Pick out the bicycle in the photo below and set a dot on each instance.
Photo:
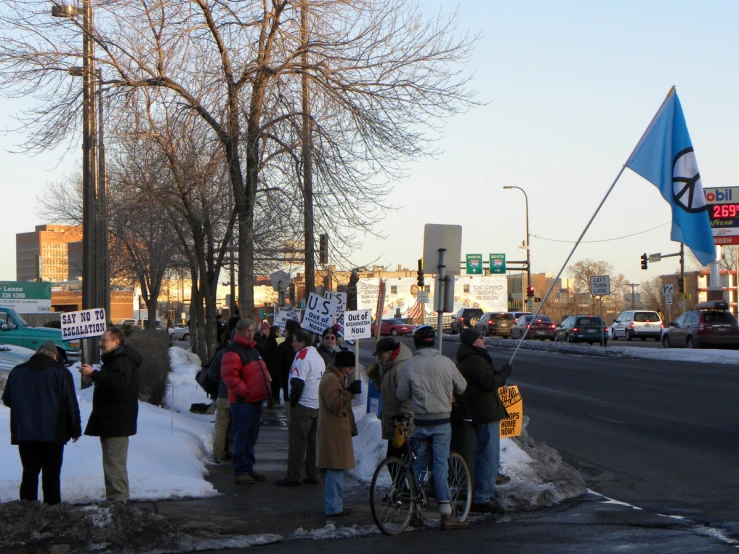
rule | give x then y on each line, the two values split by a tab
395	493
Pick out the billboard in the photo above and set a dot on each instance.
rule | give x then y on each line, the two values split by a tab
26	297
487	292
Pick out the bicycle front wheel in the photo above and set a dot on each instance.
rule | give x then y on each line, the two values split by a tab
391	496
460	486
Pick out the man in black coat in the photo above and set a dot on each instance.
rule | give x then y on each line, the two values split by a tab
482	404
44	415
115	408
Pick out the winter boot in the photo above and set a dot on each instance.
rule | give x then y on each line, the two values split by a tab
451	523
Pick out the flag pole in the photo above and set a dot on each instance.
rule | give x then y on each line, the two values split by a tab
577	243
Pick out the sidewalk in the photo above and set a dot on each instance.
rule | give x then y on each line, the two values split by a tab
265	508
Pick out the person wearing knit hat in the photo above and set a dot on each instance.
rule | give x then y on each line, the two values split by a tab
469	336
329	346
335	452
482	405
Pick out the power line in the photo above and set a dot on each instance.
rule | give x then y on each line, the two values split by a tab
603	240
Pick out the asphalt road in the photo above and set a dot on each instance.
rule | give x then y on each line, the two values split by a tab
663	436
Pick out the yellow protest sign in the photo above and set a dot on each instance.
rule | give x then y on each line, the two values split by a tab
511	397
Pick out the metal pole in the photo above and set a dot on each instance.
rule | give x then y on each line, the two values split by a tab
102	192
89	227
528	249
442	292
602	324
682	276
310	247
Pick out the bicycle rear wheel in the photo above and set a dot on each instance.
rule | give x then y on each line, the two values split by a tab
391	496
460	486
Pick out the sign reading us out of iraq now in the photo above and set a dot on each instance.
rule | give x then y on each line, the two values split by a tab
26	297
511	398
83	324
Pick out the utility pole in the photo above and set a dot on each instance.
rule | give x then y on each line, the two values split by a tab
633	286
103	273
310	247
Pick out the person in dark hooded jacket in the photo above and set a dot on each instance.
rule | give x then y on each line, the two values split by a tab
44	415
115	408
482	404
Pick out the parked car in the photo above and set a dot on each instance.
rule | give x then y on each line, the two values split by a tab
15	330
582	328
541	327
640	324
710	324
465	317
497	324
392	326
11	356
127	322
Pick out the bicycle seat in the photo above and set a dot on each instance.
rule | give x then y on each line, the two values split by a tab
401	416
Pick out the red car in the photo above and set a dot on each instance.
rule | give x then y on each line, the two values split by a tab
392	327
541	328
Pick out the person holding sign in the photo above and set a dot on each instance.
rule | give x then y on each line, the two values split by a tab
482	404
115	408
305	376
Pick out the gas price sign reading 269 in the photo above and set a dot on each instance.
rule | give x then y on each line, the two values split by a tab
723	212
83	324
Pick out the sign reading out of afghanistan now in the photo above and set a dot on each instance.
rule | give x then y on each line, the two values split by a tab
83	324
26	297
357	324
511	426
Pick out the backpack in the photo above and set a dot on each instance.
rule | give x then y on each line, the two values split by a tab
206	383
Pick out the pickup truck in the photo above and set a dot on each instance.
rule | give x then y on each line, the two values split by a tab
16	330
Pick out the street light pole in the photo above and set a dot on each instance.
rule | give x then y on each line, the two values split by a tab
528	250
90	228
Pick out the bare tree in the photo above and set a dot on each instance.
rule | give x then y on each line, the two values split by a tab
583	270
385	78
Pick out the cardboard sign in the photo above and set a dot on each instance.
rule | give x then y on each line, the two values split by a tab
319	314
83	324
340	298
511	426
358	324
283	313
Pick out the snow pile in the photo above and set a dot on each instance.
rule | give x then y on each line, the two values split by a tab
369	448
165	458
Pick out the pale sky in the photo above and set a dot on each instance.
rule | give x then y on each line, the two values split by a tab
569	87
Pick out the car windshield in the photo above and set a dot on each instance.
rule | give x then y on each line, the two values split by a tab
646	317
718	317
588	321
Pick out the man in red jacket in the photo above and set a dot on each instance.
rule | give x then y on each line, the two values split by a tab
248	382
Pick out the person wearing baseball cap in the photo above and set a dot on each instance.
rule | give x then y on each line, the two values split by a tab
392	356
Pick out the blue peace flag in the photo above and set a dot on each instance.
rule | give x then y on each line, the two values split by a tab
665	158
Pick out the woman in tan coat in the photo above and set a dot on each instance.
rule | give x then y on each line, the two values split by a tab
335	452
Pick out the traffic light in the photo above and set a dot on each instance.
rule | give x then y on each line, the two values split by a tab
530	291
681	285
323	249
420	273
644	261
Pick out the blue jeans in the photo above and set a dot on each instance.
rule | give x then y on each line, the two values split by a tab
437	438
333	492
487	460
246	418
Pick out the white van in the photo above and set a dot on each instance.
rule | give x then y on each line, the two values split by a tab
642	324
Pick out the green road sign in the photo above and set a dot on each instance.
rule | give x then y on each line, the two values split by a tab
497	264
474	264
26	297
